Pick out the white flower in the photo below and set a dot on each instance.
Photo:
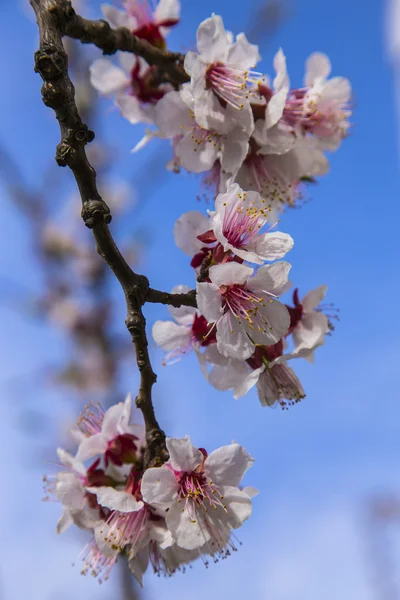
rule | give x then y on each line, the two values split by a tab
190	332
145	22
236	222
200	492
245	309
135	96
308	324
221	67
108	433
267	369
196	147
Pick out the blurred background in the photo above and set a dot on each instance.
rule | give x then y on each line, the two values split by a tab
327	521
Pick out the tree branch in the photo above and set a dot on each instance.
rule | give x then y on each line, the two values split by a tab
111	40
58	93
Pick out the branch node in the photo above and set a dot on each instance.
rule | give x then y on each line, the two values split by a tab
50	62
94	212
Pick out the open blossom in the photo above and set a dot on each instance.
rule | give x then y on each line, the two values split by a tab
267	368
190	332
245	309
221	67
144	21
236	223
320	108
108	433
132	85
196	147
308	325
200	492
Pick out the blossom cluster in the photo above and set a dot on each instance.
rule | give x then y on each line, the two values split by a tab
167	516
257	142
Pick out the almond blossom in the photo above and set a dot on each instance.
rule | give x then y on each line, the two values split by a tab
144	21
308	324
236	223
107	432
190	332
245	309
267	368
221	67
196	147
132	84
201	493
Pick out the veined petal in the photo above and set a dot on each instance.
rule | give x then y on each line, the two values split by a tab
209	301
116	500
112	418
212	40
182	455
228	464
229	273
171	336
158	486
271	277
270	246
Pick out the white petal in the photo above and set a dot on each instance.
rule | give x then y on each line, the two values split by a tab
117	17
281	80
65	521
235	150
106	77
167	10
196	158
271	278
91	446
171	336
318	66
189	533
71	462
209	301
125	415
171	115
131	109
314	298
182	455
229	273
228	464
212	40
242	54
139	564
116	500
248	382
250	491
270	246
311	331
229	376
238	506
186	230
70	491
158	486
277	316
111	420
232	339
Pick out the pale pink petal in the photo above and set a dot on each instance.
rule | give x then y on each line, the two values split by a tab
270	277
212	40
116	500
171	336
183	315
230	273
232	339
132	110
171	115
182	455
250	491
247	383
242	54
112	418
277	316
228	464
70	491
314	298
158	486
106	77
167	10
318	66
91	446
189	533
71	462
238	506
270	246
209	301
186	230
139	564
196	158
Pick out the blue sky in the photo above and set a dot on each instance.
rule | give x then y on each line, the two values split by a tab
316	464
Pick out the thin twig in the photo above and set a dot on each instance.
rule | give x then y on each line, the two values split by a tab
58	93
111	40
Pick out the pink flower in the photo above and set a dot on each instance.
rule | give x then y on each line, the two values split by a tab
145	22
200	492
245	309
236	222
108	433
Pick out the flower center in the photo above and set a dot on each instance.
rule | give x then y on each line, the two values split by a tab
202	331
231	84
243	220
246	306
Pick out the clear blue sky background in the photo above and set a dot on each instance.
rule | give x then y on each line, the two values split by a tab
317	463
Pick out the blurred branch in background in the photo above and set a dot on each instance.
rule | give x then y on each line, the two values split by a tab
267	19
382	531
